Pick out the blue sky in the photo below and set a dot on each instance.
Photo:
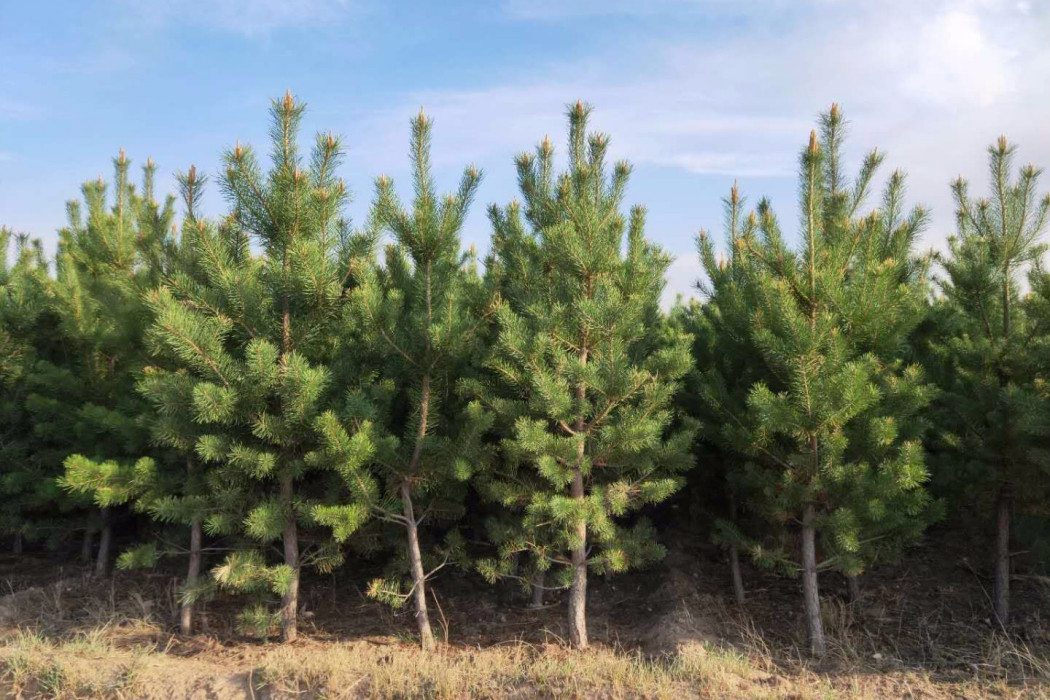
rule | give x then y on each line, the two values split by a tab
696	93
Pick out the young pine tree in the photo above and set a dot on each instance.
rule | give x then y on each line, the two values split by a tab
588	366
989	384
106	262
252	335
405	445
28	333
823	426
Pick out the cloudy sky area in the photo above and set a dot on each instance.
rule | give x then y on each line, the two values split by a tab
696	93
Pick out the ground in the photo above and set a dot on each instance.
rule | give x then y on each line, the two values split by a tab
920	630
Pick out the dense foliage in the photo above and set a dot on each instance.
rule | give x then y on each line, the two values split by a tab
263	384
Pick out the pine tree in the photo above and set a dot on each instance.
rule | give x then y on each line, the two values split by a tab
716	391
590	366
105	264
985	360
405	444
828	320
28	334
253	335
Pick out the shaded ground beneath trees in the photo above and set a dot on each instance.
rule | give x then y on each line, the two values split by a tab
920	629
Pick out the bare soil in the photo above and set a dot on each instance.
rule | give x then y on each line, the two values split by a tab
920	629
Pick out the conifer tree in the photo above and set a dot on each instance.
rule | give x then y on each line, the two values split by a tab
105	264
989	388
28	333
588	366
405	444
253	335
823	427
716	391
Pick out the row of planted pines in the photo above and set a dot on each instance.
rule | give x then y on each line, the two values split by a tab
278	375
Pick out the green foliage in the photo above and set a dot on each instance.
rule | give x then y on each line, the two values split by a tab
584	367
804	381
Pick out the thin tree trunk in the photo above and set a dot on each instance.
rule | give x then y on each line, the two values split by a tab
192	576
415	560
578	591
539	580
738	580
810	591
16	546
87	545
104	543
1002	554
734	556
853	587
290	600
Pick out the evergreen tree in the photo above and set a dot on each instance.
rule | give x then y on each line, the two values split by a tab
105	264
590	366
989	388
28	334
404	444
251	335
828	320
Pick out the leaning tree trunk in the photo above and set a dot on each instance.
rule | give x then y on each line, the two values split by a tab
105	541
810	591
415	561
192	576
290	599
1002	553
539	580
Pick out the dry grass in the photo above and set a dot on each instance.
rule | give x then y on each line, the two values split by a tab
79	637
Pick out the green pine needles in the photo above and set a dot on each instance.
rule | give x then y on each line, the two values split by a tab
824	427
586	366
258	395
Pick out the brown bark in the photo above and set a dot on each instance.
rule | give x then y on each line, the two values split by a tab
1002	553
105	541
539	580
578	591
734	556
853	587
415	560
738	580
192	576
87	545
290	600
810	591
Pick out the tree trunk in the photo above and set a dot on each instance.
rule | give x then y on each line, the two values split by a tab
738	580
578	591
539	580
734	556
192	575
853	587
87	545
16	546
290	600
1002	554
810	591
104	543
415	560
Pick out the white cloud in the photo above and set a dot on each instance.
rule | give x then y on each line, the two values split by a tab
932	82
247	17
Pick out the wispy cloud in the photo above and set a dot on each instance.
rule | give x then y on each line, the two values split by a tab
17	110
549	10
246	17
933	82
